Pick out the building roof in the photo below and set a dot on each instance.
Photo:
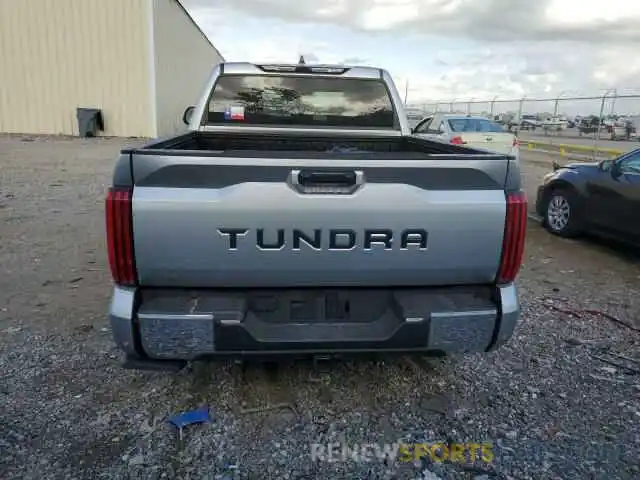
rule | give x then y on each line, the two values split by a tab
204	35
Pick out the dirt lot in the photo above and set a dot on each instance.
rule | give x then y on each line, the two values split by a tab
548	402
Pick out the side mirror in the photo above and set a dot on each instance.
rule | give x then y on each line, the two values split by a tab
605	165
614	168
186	116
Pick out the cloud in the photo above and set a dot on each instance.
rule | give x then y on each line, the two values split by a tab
355	61
591	21
445	49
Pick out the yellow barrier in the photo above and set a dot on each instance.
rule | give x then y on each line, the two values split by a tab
564	149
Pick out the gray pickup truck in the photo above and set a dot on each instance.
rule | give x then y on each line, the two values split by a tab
299	216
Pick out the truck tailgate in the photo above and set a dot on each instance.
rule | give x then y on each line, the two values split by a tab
202	221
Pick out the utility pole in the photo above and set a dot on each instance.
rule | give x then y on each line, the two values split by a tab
556	105
406	91
613	101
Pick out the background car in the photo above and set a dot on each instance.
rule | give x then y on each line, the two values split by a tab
474	131
414	116
602	198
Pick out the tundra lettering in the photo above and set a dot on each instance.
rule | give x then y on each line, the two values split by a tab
315	242
233	235
335	235
278	245
339	239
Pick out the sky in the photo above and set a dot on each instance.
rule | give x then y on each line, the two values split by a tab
445	50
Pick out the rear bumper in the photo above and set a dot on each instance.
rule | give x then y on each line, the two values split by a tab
438	321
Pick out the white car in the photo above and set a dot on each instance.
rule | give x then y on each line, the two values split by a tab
474	131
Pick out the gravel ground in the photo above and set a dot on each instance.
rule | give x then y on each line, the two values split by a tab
548	402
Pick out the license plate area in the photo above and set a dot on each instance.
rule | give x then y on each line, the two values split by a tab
319	306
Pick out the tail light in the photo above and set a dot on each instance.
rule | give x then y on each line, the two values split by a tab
516	142
120	236
457	141
514	237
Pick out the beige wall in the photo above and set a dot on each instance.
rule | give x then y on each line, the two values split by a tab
56	55
184	59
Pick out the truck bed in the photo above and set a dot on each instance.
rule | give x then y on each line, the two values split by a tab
307	145
258	210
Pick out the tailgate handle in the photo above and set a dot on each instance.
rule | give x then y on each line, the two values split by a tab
328	182
334	179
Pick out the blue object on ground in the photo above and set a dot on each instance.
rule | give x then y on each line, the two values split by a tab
181	420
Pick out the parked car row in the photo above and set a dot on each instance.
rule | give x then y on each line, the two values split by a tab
615	130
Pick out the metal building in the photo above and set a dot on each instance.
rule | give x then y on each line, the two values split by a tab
141	62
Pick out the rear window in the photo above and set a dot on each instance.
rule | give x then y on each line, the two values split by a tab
474	125
301	101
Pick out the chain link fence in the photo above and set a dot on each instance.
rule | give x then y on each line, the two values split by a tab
608	121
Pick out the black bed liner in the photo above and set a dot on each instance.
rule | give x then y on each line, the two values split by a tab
292	145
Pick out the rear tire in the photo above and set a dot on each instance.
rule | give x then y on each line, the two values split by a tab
562	215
